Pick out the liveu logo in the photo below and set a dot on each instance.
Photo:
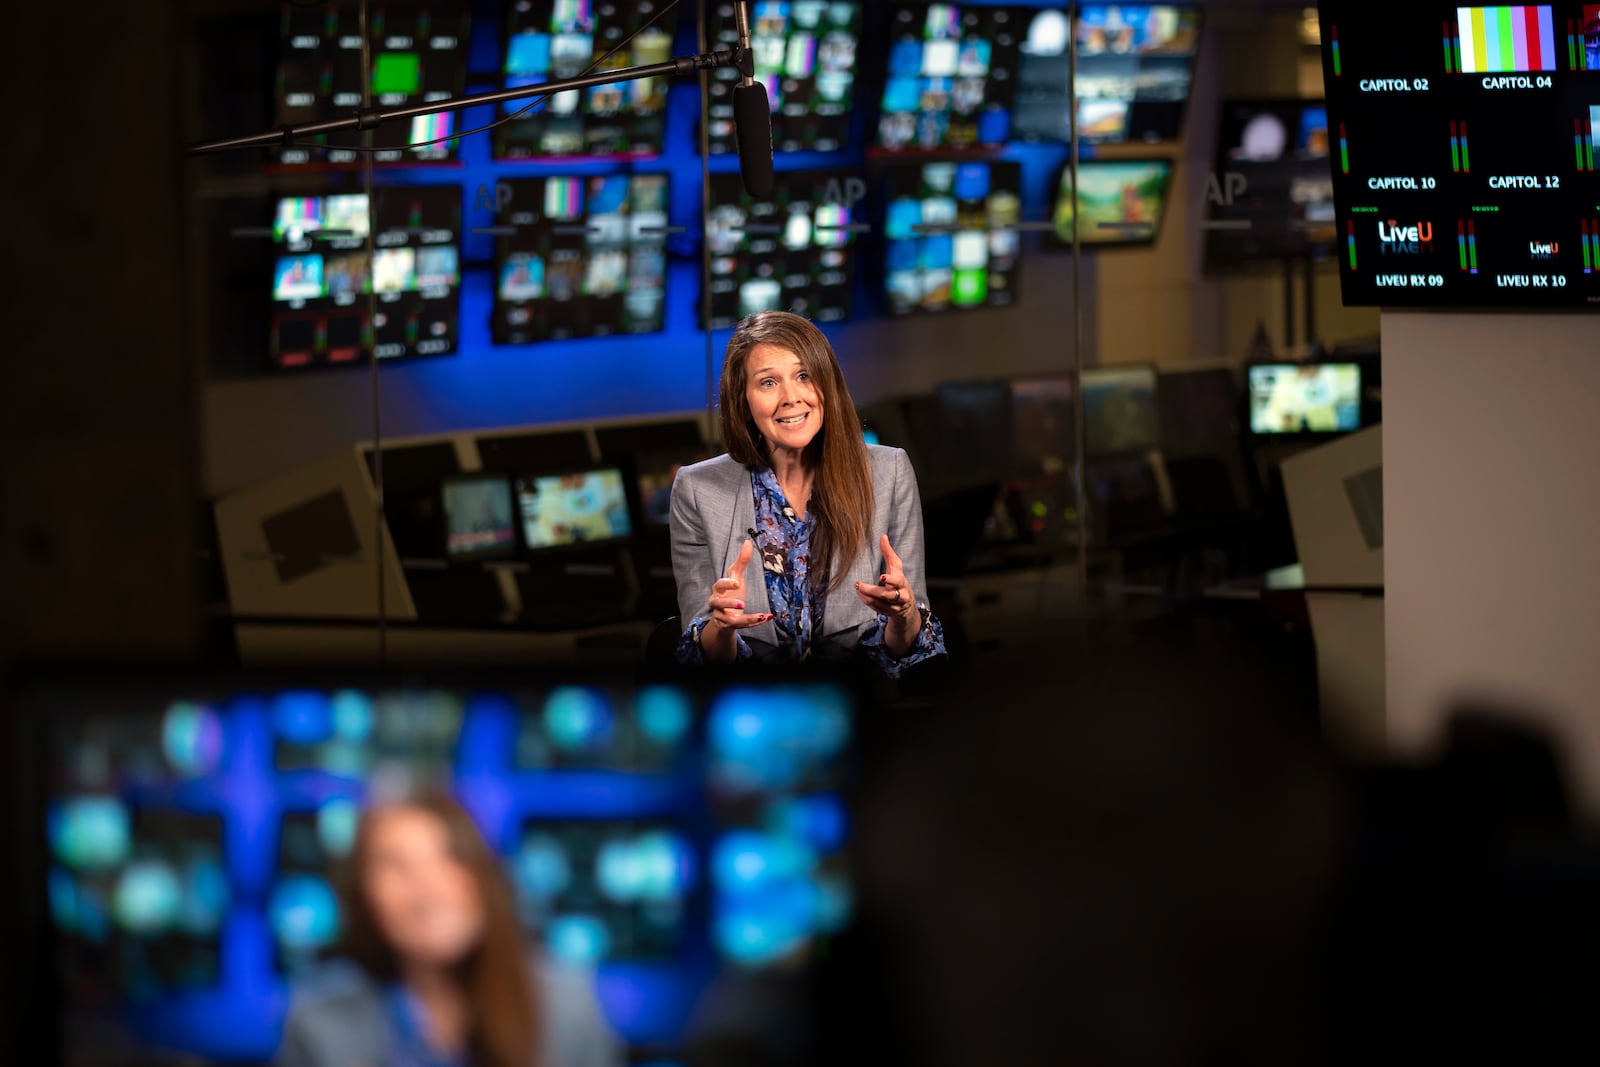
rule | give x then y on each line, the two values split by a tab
1543	249
1394	233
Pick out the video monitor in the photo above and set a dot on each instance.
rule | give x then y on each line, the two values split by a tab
975	434
323	276
578	727
418	54
1120	203
1043	424
303	905
1199	413
1290	398
794	252
138	899
586	257
1119	411
478	517
951	237
656	471
581	508
1465	169
806	57
355	735
952	76
605	892
1273	185
550	39
778	767
155	747
1135	65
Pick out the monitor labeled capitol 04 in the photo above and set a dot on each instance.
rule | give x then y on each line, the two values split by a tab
1462	148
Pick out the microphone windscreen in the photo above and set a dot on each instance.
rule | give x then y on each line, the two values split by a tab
752	128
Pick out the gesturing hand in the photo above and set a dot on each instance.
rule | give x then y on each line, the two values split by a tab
893	597
727	596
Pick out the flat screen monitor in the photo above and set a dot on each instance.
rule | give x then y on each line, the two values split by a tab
584	257
1134	68
1289	398
1043	424
605	892
794	252
806	58
303	911
1120	203
1199	413
322	274
951	237
1465	169
418	54
182	910
952	76
581	508
1273	185
139	898
975	433
548	39
478	517
1119	411
585	728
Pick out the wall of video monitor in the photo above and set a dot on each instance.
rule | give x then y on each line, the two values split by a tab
1464	166
952	76
196	838
794	252
547	39
1277	191
584	257
806	59
951	237
322	274
1134	69
419	55
560	238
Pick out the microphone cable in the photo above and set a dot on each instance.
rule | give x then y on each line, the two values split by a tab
367	185
705	226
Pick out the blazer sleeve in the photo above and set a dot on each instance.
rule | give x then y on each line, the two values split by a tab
692	567
905	525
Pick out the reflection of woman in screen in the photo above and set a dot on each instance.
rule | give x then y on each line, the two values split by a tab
802	540
442	974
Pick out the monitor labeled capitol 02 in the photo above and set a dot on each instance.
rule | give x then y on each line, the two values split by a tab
1463	154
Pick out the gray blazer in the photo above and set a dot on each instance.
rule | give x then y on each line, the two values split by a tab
338	1018
713	510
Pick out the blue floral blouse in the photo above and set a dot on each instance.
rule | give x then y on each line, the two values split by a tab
784	541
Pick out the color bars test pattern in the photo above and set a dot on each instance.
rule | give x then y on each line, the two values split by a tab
1501	40
1460	156
1467	243
1591	245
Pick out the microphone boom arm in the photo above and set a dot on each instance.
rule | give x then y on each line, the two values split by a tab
371	118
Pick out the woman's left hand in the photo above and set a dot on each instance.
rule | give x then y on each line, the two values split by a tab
894	599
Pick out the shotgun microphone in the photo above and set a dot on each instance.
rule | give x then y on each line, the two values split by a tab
752	116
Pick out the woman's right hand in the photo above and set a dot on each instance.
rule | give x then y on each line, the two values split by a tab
720	639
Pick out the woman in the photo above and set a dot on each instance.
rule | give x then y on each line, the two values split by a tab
443	977
802	540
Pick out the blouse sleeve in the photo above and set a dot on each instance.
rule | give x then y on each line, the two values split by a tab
689	652
929	643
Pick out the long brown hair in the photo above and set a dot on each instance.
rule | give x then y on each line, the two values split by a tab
841	488
495	976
